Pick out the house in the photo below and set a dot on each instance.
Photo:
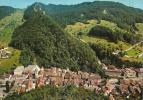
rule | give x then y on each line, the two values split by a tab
59	72
123	88
39	82
76	76
67	75
111	97
4	53
107	89
48	72
19	70
140	72
113	72
104	67
29	85
94	79
129	73
53	71
2	82
113	81
84	75
77	82
34	69
1	95
59	81
21	88
42	72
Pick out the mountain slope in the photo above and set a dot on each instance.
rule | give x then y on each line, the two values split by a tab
51	46
124	16
7	26
6	11
108	41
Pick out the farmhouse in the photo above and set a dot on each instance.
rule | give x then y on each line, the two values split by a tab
140	72
19	70
113	72
34	69
4	53
129	73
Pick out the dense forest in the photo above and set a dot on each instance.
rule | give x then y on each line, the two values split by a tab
6	11
69	92
43	41
125	17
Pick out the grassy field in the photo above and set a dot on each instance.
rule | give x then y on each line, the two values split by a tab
86	27
10	63
132	59
80	27
133	52
107	44
140	27
131	55
7	26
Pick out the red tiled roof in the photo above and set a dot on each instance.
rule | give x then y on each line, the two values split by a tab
84	75
114	70
111	67
141	69
94	76
129	70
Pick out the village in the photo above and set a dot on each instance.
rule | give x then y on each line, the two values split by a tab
4	53
124	82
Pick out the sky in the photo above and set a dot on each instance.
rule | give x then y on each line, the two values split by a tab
25	3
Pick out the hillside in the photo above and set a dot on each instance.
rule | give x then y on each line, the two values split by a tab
140	28
8	23
6	65
41	38
7	26
105	29
6	11
107	39
125	17
83	24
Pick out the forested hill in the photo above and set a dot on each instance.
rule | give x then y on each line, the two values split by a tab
41	38
124	16
6	11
